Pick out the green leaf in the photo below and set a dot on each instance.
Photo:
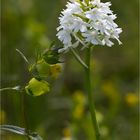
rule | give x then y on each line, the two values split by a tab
34	72
40	70
43	68
36	87
51	56
20	131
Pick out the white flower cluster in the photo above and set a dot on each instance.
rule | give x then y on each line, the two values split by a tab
87	22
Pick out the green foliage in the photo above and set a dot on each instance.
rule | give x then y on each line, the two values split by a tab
51	55
40	70
29	26
20	131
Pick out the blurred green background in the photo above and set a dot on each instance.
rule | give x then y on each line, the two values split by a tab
62	114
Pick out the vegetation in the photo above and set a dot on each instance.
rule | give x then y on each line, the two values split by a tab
63	113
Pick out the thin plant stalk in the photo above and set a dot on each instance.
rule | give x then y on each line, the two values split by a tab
23	99
17	88
90	95
88	86
24	113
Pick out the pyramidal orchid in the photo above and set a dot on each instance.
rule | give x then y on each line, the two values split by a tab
87	22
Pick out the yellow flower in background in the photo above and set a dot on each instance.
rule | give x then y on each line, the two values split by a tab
132	99
104	131
67	138
99	116
55	70
2	117
79	100
67	134
111	91
108	88
78	111
79	97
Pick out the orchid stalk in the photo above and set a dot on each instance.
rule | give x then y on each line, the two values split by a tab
90	95
86	23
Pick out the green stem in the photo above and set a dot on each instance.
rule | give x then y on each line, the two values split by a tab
90	95
25	123
17	88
